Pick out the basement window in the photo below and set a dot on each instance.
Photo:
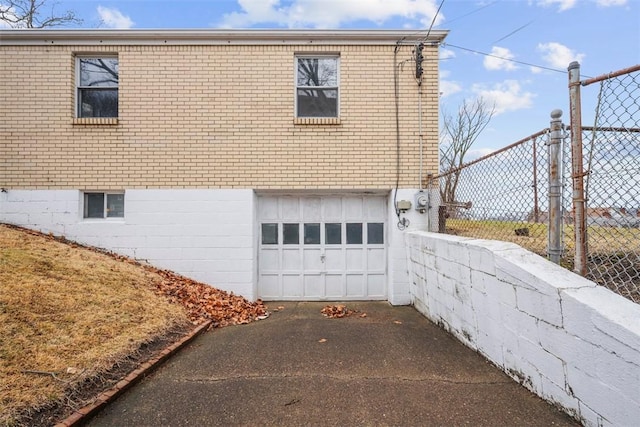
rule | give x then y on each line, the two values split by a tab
103	205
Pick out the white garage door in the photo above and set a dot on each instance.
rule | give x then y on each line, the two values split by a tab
322	248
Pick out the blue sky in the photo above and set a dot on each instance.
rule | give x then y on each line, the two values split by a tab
603	35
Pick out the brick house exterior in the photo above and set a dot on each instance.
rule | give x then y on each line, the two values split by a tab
214	157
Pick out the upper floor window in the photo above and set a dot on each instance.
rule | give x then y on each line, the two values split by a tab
317	86
97	84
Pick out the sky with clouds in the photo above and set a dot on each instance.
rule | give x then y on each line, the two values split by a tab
513	53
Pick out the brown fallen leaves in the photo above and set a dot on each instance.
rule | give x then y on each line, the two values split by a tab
204	302
339	311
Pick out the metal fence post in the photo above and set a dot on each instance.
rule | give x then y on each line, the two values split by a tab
555	187
536	207
577	170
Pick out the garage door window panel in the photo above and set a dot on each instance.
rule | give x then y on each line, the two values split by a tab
270	234
291	234
312	234
333	233
354	233
375	233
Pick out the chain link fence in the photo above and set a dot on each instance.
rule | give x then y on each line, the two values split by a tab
611	170
506	195
501	196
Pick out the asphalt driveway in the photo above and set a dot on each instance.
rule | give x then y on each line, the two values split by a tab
392	367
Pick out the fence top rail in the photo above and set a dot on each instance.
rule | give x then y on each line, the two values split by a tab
495	153
610	75
607	129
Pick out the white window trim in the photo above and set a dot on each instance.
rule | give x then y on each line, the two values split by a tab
313	120
92	120
104	207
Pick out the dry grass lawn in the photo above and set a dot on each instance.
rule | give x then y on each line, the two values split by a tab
601	239
613	258
67	314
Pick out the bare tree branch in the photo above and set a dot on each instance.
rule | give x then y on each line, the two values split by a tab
458	134
32	14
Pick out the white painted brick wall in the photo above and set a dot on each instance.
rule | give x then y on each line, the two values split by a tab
398	279
565	338
207	235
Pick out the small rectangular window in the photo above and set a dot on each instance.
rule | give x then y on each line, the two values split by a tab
317	86
312	234
97	87
354	233
94	205
103	205
269	234
115	205
375	233
291	234
333	233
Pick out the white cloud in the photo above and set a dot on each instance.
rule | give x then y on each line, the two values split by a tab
476	153
446	54
500	59
611	3
329	13
448	88
562	4
505	96
558	55
113	18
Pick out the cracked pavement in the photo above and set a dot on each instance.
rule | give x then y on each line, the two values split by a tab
392	367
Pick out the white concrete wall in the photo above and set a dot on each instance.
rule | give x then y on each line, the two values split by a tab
568	340
208	235
398	278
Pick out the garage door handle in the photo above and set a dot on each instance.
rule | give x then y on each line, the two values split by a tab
322	257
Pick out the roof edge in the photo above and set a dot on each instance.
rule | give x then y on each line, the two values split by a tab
216	37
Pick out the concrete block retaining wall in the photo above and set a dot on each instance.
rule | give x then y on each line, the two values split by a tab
563	337
207	235
210	235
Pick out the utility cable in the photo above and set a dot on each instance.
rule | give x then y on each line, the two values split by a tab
514	31
472	12
396	91
433	21
504	59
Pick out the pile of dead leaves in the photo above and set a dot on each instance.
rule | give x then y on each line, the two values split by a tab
74	319
339	311
204	302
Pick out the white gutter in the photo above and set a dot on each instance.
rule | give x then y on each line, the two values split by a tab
216	37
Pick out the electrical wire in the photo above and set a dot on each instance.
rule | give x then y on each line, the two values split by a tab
433	21
472	12
396	91
514	31
420	138
504	59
